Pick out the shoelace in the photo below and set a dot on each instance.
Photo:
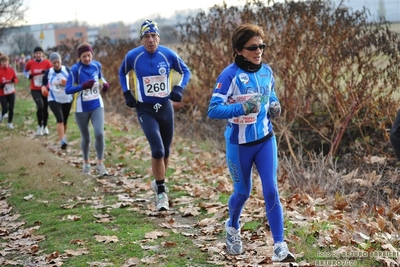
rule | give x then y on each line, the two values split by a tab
235	238
157	106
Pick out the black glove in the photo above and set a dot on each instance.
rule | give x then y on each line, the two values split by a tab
176	93
12	80
43	71
130	101
30	76
2	85
87	84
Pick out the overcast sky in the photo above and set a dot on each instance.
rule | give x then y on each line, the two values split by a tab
97	12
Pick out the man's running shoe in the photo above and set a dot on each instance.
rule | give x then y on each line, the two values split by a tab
162	201
234	244
154	186
282	253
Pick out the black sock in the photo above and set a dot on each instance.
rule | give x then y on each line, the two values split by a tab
160	186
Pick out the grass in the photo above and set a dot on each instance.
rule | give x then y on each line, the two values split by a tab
72	210
33	171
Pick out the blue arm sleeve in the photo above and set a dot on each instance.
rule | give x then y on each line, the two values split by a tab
71	87
218	110
124	69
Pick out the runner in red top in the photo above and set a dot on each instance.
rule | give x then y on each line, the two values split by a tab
8	79
34	70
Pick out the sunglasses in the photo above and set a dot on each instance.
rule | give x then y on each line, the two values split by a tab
254	48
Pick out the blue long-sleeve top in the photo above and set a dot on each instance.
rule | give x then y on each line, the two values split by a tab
85	99
152	73
232	85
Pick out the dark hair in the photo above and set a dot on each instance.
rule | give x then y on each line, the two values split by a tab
244	33
38	49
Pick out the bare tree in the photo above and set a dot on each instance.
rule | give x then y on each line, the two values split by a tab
23	43
11	12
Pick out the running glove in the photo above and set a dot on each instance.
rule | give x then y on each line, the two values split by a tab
252	105
176	93
105	88
274	109
88	84
130	101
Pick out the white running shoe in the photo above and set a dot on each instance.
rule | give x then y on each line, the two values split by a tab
234	244
10	126
282	253
101	170
39	130
46	131
162	202
86	169
5	116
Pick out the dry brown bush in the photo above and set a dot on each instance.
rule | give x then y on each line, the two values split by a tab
336	72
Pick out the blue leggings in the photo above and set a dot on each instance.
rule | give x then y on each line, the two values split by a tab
157	122
240	159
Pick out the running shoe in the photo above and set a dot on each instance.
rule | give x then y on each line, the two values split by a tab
10	126
86	169
162	201
282	253
234	244
46	131
63	144
154	186
39	130
101	170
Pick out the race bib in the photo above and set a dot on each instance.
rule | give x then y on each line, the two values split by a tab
9	88
156	86
57	86
244	119
37	80
91	93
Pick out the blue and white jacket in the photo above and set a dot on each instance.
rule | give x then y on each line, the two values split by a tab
232	87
